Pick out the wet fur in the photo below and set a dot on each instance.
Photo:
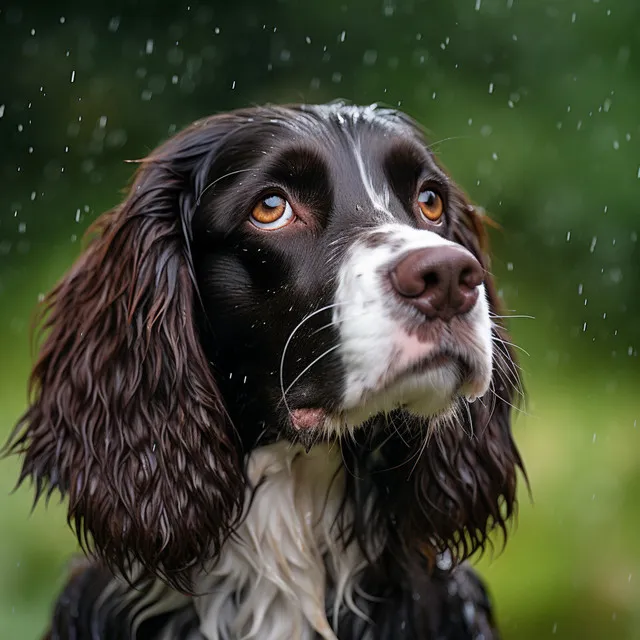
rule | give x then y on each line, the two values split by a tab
141	415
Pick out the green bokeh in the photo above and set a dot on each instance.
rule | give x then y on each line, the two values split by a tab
531	104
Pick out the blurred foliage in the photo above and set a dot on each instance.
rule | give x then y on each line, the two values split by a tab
531	104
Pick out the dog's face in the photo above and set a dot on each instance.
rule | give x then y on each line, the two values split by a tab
284	272
334	282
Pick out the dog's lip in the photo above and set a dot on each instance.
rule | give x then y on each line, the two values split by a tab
311	418
308	418
436	359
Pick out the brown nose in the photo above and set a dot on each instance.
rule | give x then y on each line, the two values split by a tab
440	282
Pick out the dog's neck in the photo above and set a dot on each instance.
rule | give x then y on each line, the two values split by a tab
271	579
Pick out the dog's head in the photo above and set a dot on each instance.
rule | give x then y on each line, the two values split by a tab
307	273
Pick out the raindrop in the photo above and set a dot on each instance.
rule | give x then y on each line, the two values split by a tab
114	23
307	40
568	236
594	438
573	17
216	30
478	3
233	84
149	47
580	287
22	227
616	145
73	75
509	266
584	327
102	123
1	110
594	240
370	57
491	87
343	36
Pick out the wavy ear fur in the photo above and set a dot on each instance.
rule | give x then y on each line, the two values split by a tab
125	417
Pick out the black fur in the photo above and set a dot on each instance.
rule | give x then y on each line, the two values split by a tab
160	371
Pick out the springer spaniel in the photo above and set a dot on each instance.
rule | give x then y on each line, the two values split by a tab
276	391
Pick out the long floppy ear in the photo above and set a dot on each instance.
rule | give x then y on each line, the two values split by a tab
125	418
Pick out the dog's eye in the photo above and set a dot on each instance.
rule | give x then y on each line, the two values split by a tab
431	205
272	212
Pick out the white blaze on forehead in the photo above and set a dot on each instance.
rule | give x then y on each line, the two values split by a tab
374	344
379	201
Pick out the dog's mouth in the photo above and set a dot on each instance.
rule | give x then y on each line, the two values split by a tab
439	359
412	382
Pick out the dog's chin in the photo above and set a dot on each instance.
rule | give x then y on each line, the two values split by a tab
428	391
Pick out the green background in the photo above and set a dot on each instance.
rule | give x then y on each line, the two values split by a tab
533	105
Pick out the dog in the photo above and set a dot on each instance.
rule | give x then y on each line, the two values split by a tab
276	390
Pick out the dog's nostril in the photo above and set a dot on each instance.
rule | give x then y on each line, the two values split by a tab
430	280
470	278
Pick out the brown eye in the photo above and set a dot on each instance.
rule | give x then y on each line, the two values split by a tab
272	212
431	205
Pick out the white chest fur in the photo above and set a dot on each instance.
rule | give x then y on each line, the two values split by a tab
270	581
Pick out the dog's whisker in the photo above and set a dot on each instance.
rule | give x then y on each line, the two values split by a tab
510	344
511	374
493	315
288	342
214	182
509	404
309	366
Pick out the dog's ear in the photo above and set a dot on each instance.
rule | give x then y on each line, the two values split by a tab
125	417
